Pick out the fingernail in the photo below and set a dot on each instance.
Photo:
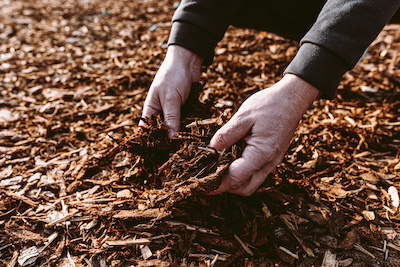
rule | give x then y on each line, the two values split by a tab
172	134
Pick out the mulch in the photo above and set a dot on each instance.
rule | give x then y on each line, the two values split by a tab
82	185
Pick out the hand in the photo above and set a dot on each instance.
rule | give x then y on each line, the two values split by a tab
267	120
171	86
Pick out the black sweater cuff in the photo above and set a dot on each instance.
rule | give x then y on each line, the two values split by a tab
319	67
195	39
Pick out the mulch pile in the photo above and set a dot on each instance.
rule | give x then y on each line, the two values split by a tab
82	185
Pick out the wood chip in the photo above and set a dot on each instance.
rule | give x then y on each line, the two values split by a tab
13	260
266	211
127	242
368	215
75	165
329	259
146	252
394	195
28	256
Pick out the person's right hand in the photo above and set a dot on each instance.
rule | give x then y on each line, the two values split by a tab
171	86
267	121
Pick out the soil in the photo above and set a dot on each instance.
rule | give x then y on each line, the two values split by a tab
82	185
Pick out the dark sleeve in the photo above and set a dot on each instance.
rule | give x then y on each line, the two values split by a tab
198	25
343	31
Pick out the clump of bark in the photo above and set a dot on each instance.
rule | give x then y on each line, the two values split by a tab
151	143
186	158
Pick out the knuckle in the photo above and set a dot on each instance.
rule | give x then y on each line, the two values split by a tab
171	121
234	183
169	117
267	154
220	139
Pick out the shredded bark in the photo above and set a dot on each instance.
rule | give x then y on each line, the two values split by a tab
81	184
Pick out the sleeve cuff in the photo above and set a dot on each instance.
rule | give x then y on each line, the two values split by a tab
319	67
195	39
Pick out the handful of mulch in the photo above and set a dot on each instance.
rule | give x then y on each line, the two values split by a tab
185	165
184	162
179	167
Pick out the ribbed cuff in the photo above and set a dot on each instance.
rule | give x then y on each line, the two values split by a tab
194	39
319	67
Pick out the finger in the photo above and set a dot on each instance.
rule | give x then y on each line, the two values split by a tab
151	107
251	185
235	129
242	169
172	117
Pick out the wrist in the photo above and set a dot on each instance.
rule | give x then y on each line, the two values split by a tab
301	88
179	56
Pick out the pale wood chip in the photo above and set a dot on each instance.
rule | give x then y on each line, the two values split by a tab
146	252
127	242
245	247
287	251
14	259
329	259
394	195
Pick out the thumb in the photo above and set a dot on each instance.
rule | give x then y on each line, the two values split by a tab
234	130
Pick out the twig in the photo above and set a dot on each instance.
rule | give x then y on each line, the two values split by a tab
127	242
289	252
245	247
363	250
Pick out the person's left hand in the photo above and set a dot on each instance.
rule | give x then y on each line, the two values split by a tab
267	120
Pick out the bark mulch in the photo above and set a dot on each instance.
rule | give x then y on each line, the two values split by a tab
82	185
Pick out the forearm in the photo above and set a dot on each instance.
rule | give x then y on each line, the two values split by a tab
178	56
343	31
199	25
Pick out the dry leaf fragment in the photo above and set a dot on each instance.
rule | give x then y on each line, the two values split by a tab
394	195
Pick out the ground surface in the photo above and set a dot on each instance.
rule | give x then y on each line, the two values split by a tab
73	78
